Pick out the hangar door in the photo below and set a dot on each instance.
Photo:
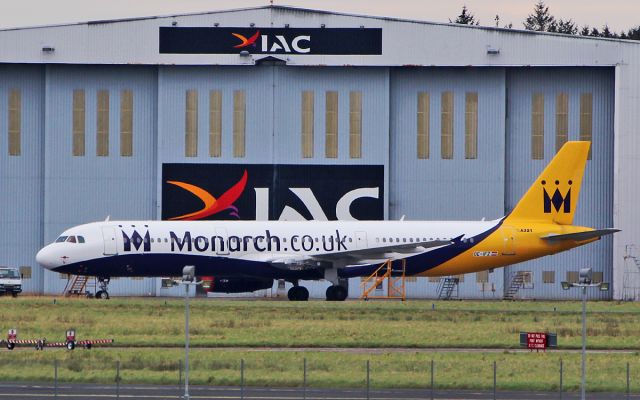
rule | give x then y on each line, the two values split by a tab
545	108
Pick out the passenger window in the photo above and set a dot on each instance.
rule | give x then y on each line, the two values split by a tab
71	239
80	239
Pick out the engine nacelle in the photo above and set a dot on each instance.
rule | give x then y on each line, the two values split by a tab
235	285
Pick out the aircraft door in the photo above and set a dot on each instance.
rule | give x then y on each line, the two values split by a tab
509	237
361	240
220	242
110	243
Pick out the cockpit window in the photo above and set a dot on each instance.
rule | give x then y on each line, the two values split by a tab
80	239
71	239
61	239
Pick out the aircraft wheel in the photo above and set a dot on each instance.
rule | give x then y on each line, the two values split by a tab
336	293
341	293
303	293
71	345
98	294
11	346
102	295
331	293
14	294
298	293
87	346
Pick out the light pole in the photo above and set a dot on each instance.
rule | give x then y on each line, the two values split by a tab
188	278
583	283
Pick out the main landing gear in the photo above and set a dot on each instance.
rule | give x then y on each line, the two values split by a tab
103	293
337	293
298	293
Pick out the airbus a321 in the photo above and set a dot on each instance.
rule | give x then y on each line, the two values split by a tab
248	255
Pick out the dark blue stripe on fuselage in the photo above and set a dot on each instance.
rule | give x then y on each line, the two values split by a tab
156	265
424	261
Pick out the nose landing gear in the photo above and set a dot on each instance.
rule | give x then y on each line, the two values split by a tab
103	293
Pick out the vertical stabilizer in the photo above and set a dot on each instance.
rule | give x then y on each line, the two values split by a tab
553	197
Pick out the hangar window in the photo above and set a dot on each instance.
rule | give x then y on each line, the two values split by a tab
102	133
572	276
78	122
482	276
548	276
191	124
25	272
586	119
446	125
537	126
355	125
596	277
307	123
423	125
562	120
331	124
215	123
126	123
471	125
239	123
14	122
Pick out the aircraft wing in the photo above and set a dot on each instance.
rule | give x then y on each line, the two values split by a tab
381	252
355	256
580	236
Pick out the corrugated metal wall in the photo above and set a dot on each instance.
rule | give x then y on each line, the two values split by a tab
447	189
21	201
595	207
80	189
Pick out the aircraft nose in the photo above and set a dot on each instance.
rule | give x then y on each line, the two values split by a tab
45	258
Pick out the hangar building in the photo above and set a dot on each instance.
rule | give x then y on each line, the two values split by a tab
418	119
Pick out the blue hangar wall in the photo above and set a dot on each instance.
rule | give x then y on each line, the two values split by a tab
46	188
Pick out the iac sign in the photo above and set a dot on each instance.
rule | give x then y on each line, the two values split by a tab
299	44
311	203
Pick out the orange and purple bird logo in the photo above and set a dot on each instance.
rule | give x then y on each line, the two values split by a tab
211	204
244	41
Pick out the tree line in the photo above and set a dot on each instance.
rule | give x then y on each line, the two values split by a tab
542	20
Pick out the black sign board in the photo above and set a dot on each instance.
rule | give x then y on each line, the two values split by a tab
205	40
274	192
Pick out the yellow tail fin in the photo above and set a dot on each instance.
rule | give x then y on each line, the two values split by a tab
553	197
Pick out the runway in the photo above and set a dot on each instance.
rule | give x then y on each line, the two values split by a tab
159	392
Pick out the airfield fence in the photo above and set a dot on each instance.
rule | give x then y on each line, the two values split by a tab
491	377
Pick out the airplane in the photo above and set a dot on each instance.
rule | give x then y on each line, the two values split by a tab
248	255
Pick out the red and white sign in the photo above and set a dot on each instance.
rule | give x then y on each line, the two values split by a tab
536	340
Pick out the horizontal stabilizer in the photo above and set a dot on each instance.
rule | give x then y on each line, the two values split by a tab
580	236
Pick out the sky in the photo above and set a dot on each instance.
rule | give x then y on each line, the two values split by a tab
618	14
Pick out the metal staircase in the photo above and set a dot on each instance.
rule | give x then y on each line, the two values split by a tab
76	285
516	283
395	282
448	286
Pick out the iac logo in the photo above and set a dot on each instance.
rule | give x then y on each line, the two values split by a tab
275	43
304	197
557	200
136	241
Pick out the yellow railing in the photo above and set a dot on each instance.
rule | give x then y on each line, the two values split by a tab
395	285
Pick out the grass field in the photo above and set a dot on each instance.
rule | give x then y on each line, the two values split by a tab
413	324
467	370
160	322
